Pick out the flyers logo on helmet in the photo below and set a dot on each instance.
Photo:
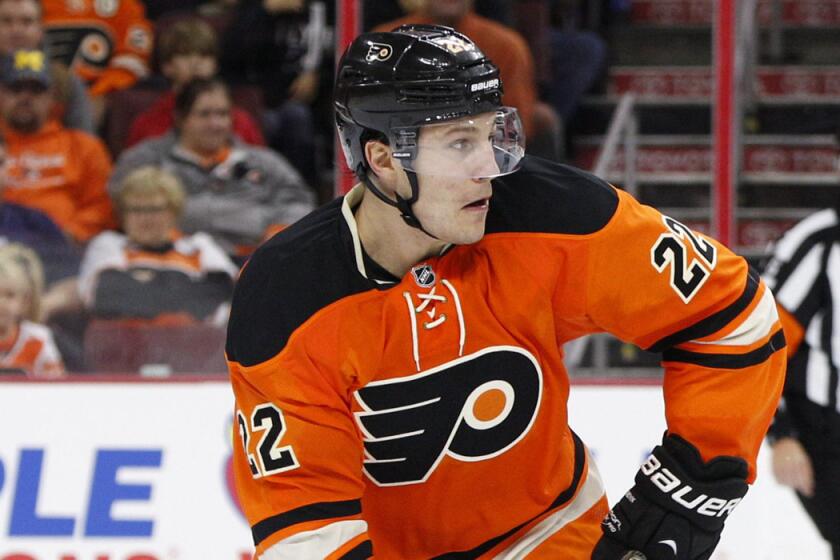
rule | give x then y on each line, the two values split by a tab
453	44
470	409
379	51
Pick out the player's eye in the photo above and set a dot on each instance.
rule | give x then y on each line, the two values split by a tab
461	145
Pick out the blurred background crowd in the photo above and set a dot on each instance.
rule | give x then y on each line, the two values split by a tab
148	146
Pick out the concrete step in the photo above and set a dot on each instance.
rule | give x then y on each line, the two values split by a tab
782	159
755	228
794	13
695	84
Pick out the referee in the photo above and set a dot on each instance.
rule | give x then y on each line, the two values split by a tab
804	274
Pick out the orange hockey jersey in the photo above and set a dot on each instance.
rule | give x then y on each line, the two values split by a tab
32	349
107	42
425	416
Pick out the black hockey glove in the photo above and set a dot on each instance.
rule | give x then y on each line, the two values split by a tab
677	508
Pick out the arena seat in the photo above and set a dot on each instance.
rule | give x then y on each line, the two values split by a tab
117	346
123	107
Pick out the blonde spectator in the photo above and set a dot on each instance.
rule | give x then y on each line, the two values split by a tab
152	271
24	344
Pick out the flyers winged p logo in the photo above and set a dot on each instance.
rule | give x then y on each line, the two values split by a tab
471	409
379	51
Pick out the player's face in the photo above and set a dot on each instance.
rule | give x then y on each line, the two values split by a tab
20	25
208	126
452	164
148	220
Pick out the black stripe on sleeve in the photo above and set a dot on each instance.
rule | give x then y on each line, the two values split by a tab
362	550
728	361
715	322
311	512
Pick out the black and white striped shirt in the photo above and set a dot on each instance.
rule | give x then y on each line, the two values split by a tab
804	274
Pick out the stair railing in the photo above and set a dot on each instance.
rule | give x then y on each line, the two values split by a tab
623	129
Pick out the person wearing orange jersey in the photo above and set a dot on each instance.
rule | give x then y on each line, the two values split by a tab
107	42
396	356
58	171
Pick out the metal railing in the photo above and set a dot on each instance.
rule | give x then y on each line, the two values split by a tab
624	126
623	129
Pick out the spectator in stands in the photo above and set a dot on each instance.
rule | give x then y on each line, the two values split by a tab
188	49
235	192
59	171
106	42
24	344
377	12
278	45
36	230
157	10
574	59
152	271
502	45
21	27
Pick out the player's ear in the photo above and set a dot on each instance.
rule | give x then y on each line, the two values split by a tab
378	155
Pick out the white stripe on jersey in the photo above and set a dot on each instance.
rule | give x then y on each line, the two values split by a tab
817	374
588	496
755	327
832	271
799	284
794	238
315	544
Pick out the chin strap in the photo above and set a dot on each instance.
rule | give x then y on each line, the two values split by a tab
402	204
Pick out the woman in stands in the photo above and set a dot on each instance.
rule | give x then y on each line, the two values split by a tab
237	193
152	271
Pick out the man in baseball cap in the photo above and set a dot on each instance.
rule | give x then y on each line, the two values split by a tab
43	173
26	67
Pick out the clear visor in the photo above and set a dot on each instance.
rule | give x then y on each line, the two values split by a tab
480	146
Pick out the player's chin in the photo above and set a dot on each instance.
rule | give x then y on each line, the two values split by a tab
470	233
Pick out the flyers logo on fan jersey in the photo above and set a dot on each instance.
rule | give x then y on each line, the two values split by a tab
471	409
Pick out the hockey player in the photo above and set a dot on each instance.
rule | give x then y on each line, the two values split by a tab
396	355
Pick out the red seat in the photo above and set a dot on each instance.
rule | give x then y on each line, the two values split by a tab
123	107
250	98
132	346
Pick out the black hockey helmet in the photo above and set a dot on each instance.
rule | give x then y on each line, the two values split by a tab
390	84
412	76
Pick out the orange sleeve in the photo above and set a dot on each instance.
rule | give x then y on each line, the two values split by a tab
132	49
94	212
654	282
297	465
794	332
